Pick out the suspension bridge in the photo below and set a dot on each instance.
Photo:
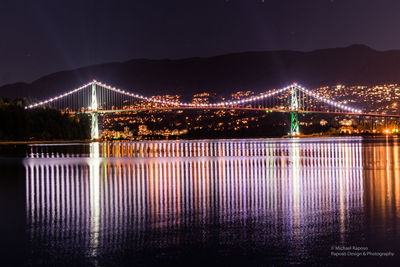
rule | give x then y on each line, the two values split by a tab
96	98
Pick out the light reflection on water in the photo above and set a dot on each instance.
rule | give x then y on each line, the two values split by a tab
110	197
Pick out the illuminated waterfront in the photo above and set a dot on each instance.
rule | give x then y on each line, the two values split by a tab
261	201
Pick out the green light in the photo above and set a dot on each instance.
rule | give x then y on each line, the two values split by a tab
294	105
294	124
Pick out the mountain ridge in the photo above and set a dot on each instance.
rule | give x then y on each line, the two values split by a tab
224	74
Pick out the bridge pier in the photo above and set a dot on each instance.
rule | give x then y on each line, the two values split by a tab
294	124
294	116
95	116
95	126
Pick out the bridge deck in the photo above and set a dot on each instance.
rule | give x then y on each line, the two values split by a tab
238	108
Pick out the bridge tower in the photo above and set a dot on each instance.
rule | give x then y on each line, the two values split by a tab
294	106
93	108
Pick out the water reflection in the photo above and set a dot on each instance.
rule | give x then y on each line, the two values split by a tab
111	196
382	186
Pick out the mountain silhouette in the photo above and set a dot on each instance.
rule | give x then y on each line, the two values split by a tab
224	74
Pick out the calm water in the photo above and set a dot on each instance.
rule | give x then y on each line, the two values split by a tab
254	202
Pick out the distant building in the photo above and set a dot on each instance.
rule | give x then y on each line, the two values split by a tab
204	98
143	130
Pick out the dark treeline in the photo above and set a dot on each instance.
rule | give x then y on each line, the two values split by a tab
18	124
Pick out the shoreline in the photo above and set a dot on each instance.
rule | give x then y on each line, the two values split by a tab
141	140
44	142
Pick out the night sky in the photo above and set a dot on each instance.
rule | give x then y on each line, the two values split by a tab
38	37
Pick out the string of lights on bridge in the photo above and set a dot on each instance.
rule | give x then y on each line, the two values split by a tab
47	101
173	103
202	105
328	101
